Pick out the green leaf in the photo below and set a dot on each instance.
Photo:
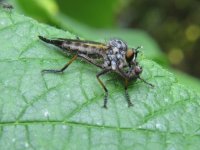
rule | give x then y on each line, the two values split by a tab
189	81
64	111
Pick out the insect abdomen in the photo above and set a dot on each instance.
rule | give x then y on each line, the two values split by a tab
71	45
54	42
84	48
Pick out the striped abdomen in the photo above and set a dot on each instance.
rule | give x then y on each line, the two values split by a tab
79	46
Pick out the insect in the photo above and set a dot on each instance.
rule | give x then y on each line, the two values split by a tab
6	5
115	56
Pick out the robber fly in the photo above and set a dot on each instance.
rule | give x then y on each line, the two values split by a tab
115	57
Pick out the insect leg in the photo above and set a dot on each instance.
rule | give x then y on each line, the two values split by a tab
146	82
90	60
63	68
127	95
104	87
127	78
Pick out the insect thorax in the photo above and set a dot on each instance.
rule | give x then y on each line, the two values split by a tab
115	56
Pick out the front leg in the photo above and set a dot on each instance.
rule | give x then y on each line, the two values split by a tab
127	95
126	78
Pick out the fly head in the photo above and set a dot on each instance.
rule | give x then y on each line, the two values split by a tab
134	72
131	55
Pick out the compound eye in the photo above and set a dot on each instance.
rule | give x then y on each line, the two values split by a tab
130	56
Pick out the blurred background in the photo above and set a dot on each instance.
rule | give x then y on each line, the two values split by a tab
168	30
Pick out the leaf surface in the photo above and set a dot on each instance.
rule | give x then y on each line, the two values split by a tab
64	111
